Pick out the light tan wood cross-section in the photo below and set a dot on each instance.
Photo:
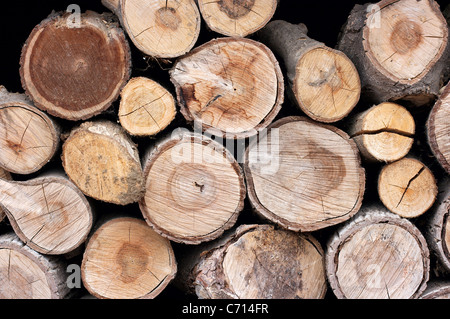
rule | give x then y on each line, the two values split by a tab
194	190
405	38
146	108
237	18
126	259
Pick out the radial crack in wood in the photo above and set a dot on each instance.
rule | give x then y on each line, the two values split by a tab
230	87
75	73
126	259
304	175
407	187
384	132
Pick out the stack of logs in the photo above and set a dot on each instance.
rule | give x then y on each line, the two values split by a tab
272	166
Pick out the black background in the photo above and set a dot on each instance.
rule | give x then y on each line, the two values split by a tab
324	20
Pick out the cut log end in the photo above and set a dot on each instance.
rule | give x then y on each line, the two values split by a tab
28	137
377	255
64	79
49	214
384	133
172	30
104	163
304	175
26	274
404	39
232	86
237	18
407	187
146	108
261	262
438	129
126	259
6	176
326	84
194	189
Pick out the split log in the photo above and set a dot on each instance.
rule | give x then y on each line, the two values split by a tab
101	159
438	129
49	214
437	290
6	176
324	81
262	262
27	274
237	18
407	187
28	137
146	108
304	175
159	28
383	133
75	72
195	188
233	87
400	49
377	255
126	259
437	230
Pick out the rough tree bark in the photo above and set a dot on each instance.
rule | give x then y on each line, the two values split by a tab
75	72
383	133
437	230
49	214
438	129
159	28
27	274
400	49
126	259
324	81
261	262
237	18
101	159
304	175
195	188
437	290
377	255
232	86
407	187
146	108
28	137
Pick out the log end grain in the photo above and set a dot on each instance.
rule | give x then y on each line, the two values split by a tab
377	255
231	86
262	262
146	108
304	175
237	18
84	76
28	137
407	187
126	259
172	30
195	189
100	158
